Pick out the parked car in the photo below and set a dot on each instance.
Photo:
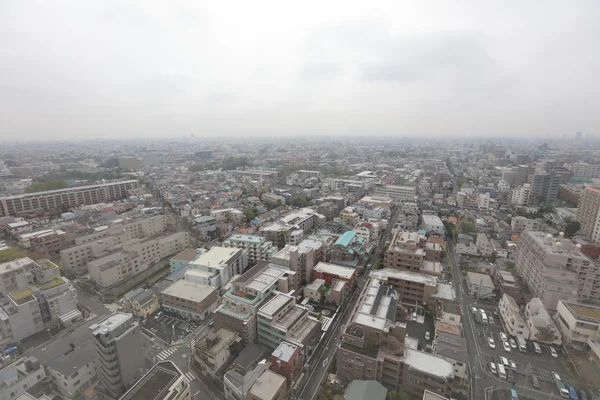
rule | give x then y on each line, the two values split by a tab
495	313
503	336
504	361
427	336
491	343
553	352
555	376
512	343
506	346
513	364
493	369
535	382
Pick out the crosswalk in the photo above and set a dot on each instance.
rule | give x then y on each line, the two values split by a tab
163	355
192	343
188	376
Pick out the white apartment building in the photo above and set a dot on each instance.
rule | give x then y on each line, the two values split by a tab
299	259
350	216
503	186
520	196
75	370
257	247
584	170
91	246
514	324
16	275
588	210
433	224
519	224
119	354
410	208
70	197
555	269
365	230
217	266
134	258
578	322
16	378
233	214
398	193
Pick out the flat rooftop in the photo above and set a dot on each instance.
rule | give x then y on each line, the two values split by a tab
334	269
285	351
187	290
480	279
428	363
72	189
111	323
15	264
22	296
265	279
155	384
216	256
267	385
586	311
187	255
410	276
247	238
275	304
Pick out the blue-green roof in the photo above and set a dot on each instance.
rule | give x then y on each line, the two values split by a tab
346	238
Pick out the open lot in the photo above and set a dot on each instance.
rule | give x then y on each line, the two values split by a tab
168	326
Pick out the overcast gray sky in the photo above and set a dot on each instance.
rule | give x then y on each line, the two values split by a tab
84	68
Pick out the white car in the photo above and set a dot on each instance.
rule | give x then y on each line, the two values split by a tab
504	361
491	343
506	346
513	365
553	352
512	343
503	337
555	376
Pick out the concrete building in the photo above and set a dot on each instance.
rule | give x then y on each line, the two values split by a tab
329	272
374	347
350	216
588	211
300	259
506	283
314	290
484	245
555	269
119	355
513	322
217	266
336	292
164	381
287	360
453	348
361	390
268	386
520	196
398	193
257	247
45	303
16	275
519	224
405	251
365	230
190	300
50	243
182	260
584	170
433	224
377	201
215	349
480	285
280	318
412	288
16	378
241	302
410	208
578	323
23	204
74	371
540	324
133	258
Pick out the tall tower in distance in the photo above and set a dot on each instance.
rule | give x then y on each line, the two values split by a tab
119	355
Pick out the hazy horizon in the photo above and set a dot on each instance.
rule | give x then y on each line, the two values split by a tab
116	70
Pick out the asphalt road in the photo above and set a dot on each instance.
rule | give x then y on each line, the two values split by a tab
91	303
482	379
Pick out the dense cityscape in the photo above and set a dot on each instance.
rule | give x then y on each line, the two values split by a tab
300	268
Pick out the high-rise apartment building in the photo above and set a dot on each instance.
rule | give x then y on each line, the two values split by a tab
584	170
405	251
22	204
520	196
587	212
258	248
556	269
119	355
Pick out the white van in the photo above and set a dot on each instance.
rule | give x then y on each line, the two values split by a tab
501	371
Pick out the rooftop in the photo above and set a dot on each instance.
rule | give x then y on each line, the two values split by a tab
191	291
316	284
275	304
265	279
76	188
15	264
267	385
285	351
480	279
428	363
346	238
156	384
111	323
247	238
22	296
585	310
334	269
56	281
216	256
410	276
187	255
74	358
360	390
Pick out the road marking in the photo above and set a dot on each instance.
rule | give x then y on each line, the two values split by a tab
165	354
325	361
189	377
196	392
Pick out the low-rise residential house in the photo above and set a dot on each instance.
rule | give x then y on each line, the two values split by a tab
336	293
506	283
454	349
74	371
144	303
287	360
514	324
480	285
190	299
541	326
216	349
268	386
315	290
484	245
578	322
16	378
361	390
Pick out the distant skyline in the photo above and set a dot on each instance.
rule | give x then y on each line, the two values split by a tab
114	69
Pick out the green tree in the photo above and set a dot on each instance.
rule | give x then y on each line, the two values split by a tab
300	201
572	227
398	396
11	254
46	185
196	167
250	213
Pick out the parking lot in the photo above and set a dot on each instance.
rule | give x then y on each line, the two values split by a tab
168	326
521	366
